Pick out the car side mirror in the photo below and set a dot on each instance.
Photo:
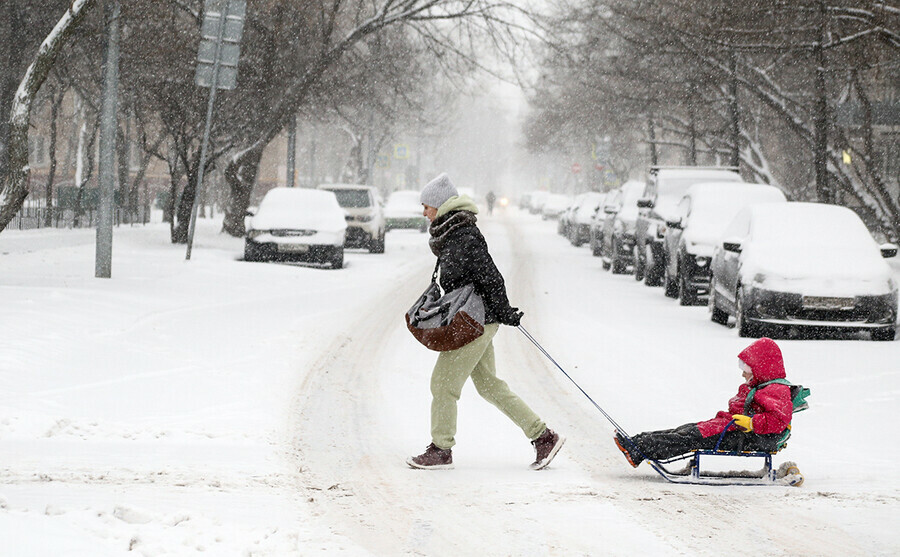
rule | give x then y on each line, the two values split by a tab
674	224
888	250
645	203
732	244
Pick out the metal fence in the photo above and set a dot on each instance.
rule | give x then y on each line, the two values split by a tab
32	217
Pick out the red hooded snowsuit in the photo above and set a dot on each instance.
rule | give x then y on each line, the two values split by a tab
771	407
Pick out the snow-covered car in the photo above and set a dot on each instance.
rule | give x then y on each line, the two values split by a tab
665	187
404	210
297	224
702	215
617	238
579	225
536	201
365	215
554	205
802	265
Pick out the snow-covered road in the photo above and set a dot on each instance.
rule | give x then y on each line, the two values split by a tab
228	408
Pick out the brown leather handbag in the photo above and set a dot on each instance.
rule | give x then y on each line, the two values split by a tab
449	321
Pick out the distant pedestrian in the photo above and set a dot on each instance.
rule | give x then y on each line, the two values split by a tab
491	198
464	259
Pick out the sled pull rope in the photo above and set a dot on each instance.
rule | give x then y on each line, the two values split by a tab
549	357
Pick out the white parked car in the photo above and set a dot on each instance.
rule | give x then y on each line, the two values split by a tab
586	206
803	265
701	217
404	210
365	215
297	223
555	205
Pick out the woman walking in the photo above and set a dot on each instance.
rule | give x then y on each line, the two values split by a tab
464	259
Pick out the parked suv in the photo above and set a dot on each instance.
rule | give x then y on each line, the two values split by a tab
365	215
704	212
665	187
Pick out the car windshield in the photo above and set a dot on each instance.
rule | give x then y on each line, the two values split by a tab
795	224
715	212
407	200
352	198
676	182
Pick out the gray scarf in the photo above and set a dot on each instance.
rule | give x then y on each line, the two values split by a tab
443	226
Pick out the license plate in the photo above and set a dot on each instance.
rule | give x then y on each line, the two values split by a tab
293	248
828	302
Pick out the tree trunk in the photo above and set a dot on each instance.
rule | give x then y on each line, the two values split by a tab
186	204
734	114
820	117
56	101
14	185
240	177
651	130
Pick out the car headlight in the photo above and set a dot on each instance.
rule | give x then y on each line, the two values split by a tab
364	218
892	284
759	278
255	233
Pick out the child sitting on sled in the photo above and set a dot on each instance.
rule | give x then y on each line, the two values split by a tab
757	428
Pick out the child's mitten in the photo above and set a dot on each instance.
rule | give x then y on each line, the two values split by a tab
743	422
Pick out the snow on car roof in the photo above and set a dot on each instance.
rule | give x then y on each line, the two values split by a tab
299	208
404	199
674	181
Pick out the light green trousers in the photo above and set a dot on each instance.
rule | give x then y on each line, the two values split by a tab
475	359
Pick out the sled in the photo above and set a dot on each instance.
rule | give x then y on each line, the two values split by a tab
693	473
788	474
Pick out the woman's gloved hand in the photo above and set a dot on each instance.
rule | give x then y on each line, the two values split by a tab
743	422
512	317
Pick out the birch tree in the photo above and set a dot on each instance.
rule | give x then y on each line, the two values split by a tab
14	185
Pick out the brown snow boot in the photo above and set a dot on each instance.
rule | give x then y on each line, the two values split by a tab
545	447
433	458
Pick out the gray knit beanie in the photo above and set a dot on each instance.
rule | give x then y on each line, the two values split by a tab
438	191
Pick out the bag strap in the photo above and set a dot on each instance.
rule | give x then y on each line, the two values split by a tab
749	399
435	273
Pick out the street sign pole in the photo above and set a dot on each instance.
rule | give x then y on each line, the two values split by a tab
216	16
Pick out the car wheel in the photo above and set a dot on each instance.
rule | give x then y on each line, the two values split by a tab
884	334
670	285
595	247
653	269
377	245
686	294
337	258
716	315
741	323
249	252
638	264
617	263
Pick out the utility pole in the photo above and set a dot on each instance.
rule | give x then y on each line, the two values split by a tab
103	259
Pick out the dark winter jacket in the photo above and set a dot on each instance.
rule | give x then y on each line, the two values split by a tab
771	407
464	259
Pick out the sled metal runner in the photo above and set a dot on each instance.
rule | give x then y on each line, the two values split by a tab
692	472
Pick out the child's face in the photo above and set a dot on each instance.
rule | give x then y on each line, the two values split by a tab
747	375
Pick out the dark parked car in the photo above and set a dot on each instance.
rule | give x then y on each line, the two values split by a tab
617	243
704	212
665	187
799	266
